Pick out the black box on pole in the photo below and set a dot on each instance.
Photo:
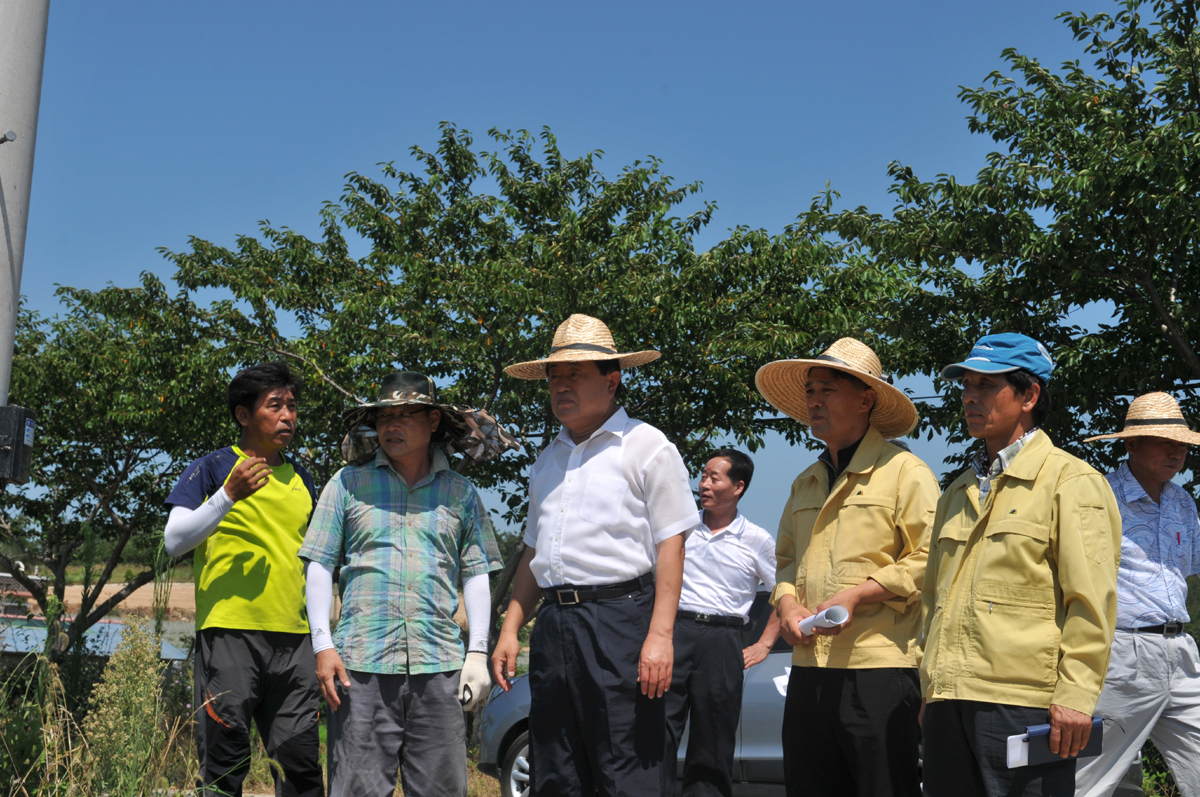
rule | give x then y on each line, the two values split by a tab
17	425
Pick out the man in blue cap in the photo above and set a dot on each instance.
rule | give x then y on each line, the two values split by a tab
1020	592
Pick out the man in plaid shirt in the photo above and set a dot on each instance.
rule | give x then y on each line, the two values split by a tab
403	527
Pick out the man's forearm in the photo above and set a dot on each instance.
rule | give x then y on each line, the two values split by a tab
525	595
771	632
668	582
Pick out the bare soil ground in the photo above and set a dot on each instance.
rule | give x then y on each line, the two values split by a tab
182	603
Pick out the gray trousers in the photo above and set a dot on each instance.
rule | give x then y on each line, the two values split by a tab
1152	691
411	722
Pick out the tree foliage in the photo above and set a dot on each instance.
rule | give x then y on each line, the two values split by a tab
1091	204
455	269
474	260
122	400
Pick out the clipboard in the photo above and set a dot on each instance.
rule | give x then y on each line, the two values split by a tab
1033	747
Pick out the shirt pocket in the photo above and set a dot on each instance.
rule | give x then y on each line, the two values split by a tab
1014	638
602	499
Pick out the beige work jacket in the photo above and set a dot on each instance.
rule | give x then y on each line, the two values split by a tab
1021	592
872	523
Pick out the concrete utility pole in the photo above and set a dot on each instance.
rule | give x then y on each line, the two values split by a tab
22	53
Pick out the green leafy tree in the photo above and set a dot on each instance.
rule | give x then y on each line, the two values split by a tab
1091	203
472	262
123	400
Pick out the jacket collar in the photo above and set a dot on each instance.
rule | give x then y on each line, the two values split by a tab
1029	460
869	449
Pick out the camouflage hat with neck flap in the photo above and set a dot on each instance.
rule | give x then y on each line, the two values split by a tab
473	433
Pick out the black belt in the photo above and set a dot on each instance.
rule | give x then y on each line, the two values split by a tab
571	595
711	619
1174	628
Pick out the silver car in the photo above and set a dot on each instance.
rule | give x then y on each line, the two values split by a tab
758	757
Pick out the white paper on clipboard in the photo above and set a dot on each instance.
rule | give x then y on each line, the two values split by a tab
1018	750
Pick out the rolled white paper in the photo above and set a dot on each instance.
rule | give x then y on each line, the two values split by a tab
830	618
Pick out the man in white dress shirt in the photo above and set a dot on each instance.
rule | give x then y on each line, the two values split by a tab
726	558
609	505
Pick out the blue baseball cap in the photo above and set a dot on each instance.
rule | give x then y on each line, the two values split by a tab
1002	354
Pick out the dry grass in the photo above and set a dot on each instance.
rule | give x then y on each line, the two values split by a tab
259	783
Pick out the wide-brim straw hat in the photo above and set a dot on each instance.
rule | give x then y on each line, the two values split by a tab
577	339
783	383
1153	415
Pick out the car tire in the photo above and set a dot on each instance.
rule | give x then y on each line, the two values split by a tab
514	771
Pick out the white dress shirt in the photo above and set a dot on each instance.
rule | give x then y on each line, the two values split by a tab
598	509
721	571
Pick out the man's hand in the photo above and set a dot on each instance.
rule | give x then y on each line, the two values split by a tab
847	599
474	683
330	670
1069	730
755	654
247	477
504	659
656	665
790	614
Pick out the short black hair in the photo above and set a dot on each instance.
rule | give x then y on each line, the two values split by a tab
741	467
1022	380
252	382
606	367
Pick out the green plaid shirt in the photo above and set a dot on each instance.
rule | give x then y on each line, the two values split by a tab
402	552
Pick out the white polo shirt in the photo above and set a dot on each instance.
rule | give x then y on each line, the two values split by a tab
721	571
598	509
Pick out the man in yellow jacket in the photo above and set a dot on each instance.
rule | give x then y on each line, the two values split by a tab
1021	590
854	534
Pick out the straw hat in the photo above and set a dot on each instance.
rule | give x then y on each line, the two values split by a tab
1154	415
580	338
783	384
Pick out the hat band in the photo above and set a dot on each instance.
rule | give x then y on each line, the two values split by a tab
829	358
583	347
1156	422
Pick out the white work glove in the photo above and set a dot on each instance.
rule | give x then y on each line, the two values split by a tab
474	681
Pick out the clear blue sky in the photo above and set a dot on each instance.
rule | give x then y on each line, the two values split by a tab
164	120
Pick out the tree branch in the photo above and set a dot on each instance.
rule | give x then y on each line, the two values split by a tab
304	360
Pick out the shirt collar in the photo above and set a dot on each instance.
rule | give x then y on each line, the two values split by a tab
1131	488
844	456
615	424
987	472
734	526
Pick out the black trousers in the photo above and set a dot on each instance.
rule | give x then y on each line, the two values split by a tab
270	678
707	684
966	752
591	730
852	732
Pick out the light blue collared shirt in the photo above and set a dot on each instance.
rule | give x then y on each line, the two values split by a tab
1160	548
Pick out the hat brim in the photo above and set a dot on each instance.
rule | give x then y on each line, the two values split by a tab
452	424
783	384
1180	434
957	370
536	369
